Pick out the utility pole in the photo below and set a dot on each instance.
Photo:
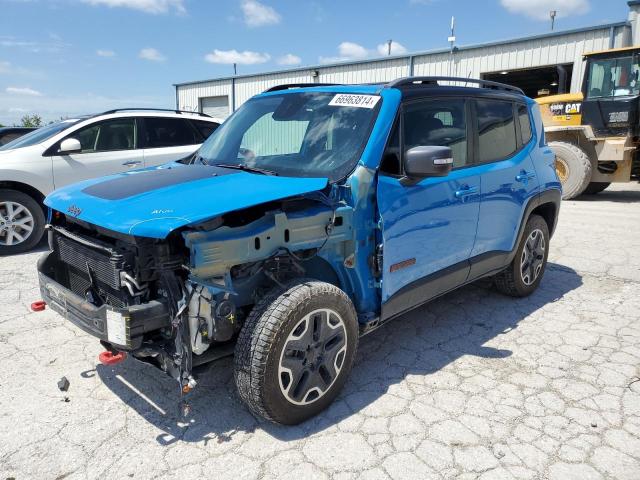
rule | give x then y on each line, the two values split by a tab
452	40
389	42
552	14
235	69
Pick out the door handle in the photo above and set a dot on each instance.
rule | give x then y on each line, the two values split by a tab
466	191
131	163
524	176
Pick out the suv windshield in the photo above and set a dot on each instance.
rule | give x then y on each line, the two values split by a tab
295	134
39	135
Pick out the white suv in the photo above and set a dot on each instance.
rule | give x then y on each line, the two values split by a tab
81	148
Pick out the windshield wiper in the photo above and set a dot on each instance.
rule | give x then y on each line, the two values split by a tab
246	168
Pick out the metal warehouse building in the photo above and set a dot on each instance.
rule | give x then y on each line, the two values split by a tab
550	62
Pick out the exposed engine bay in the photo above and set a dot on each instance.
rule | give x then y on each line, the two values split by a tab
181	301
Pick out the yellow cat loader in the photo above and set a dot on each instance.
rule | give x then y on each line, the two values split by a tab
595	133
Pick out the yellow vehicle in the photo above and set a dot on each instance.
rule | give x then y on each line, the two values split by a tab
595	133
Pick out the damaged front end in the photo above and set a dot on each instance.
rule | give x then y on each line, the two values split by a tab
180	301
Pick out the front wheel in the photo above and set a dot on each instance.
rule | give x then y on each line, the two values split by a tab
524	273
21	222
295	351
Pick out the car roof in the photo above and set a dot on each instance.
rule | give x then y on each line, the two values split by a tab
411	87
122	113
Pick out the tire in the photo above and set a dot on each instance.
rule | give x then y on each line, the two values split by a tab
574	168
291	316
596	187
513	280
17	239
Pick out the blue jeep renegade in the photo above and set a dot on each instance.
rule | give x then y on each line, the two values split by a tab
313	215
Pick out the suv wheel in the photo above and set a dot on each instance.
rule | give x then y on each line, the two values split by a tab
525	272
573	168
21	222
295	351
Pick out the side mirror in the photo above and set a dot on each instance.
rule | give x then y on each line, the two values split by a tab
70	145
428	161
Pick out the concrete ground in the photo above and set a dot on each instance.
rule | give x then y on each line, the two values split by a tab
475	385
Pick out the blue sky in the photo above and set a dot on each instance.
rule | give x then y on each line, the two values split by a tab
66	57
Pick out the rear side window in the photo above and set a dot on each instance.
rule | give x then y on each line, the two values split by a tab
496	130
205	128
169	132
525	123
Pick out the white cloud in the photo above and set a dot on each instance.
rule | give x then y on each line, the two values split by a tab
105	53
289	59
23	91
53	45
257	14
151	54
52	107
396	48
539	9
147	6
347	51
234	56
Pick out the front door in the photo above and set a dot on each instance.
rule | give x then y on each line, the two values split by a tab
108	147
428	227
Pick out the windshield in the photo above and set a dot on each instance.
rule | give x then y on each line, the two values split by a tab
613	77
39	135
295	134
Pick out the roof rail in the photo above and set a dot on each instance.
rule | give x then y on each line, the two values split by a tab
287	86
406	81
116	110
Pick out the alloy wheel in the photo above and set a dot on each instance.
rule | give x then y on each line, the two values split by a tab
16	223
532	259
312	356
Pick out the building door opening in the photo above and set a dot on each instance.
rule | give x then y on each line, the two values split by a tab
217	107
536	82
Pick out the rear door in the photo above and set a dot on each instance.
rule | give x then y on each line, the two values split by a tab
167	139
108	147
429	226
509	180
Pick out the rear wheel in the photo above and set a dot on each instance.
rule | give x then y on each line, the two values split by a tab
525	272
295	351
596	187
21	222
573	167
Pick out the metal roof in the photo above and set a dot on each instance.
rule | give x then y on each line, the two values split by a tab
408	56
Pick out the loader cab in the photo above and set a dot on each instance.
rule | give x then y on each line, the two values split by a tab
611	92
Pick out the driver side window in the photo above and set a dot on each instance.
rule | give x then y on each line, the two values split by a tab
110	135
438	122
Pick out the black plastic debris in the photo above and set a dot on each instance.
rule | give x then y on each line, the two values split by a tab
63	384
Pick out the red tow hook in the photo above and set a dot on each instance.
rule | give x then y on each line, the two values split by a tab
108	358
38	306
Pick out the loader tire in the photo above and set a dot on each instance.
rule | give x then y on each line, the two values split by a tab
573	167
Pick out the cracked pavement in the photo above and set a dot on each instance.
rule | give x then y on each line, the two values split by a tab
474	385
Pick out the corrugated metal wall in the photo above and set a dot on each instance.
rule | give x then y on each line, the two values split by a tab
468	62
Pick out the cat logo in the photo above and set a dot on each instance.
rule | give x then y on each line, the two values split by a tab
570	108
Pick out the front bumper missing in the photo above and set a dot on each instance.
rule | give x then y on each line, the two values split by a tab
124	328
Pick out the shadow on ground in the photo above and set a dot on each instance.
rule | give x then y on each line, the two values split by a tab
618	196
419	343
